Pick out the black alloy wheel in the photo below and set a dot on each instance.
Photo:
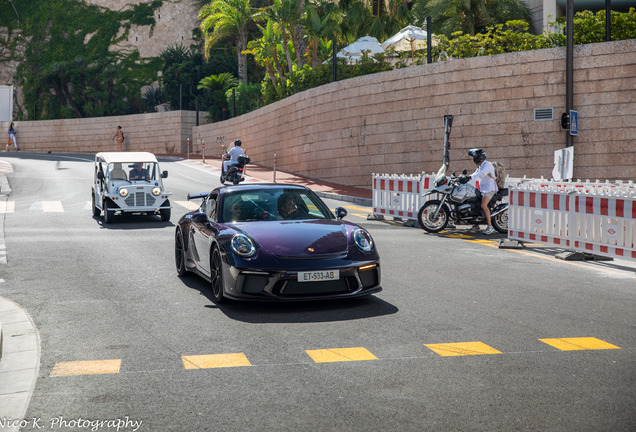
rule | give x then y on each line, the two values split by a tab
179	253
216	270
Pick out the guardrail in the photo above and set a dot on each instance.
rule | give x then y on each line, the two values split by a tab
596	218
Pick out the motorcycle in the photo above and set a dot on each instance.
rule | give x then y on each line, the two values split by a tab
235	172
461	204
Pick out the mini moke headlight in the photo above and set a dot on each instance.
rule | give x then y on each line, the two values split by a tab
123	192
363	240
242	245
156	191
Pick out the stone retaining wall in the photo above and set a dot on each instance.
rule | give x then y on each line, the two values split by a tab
392	122
159	133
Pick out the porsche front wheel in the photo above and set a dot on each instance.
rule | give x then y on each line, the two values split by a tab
179	254
216	276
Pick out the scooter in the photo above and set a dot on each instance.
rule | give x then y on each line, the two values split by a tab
460	203
235	173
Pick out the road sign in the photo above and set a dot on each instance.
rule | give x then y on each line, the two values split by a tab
574	122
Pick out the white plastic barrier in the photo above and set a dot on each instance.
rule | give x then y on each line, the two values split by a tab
595	218
398	195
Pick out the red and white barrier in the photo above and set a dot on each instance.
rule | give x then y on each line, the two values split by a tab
595	218
399	195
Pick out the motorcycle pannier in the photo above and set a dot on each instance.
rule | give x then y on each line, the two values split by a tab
463	193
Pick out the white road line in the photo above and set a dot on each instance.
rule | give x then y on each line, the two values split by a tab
188	205
7	206
52	207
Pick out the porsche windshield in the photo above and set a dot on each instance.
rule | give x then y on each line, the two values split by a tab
272	204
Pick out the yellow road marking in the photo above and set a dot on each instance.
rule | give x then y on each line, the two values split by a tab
462	349
340	355
188	204
215	361
91	367
52	207
7	206
580	343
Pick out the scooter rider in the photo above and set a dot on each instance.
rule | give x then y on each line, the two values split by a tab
233	155
485	174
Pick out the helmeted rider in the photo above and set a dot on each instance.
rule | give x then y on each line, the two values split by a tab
233	155
485	175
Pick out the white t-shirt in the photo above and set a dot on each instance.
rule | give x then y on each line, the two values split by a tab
485	175
234	153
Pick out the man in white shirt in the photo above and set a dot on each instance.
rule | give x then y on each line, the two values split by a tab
485	175
233	154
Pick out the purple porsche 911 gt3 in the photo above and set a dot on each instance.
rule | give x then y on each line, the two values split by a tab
275	242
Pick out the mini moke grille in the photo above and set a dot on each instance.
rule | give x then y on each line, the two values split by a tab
140	199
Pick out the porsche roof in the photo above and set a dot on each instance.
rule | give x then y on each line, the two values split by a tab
110	157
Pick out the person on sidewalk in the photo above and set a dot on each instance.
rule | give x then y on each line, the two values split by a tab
119	137
485	175
12	138
233	156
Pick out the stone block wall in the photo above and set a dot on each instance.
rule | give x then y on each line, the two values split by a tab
392	122
160	133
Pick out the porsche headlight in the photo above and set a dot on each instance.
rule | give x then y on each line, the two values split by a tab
243	246
363	240
156	191
123	192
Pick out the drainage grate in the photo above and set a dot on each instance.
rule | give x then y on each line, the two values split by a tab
541	114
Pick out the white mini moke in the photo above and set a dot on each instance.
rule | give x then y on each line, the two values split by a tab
129	182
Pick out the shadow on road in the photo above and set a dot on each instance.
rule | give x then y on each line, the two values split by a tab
294	312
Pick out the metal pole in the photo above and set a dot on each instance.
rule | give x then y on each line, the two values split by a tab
203	151
274	167
196	103
334	63
569	65
188	147
429	40
233	103
608	20
180	95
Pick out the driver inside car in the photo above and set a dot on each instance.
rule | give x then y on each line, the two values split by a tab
139	172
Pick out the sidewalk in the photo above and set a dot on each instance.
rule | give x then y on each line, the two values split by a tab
323	189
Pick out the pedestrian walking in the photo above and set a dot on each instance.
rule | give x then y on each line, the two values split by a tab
119	137
12	138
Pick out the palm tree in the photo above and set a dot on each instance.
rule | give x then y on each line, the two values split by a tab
228	18
217	85
469	16
265	52
287	14
322	22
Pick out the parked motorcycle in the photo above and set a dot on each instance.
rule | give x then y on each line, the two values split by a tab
235	172
461	204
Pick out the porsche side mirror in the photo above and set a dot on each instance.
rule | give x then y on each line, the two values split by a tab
199	217
340	212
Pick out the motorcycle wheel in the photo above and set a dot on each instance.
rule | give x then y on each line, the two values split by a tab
500	222
425	217
236	180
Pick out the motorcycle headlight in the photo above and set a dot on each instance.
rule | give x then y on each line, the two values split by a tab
363	240
123	192
242	245
156	191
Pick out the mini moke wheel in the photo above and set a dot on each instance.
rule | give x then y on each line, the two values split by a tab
109	215
96	211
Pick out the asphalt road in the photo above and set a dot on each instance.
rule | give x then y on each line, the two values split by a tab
108	295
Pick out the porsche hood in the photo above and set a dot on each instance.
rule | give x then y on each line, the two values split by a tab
300	238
